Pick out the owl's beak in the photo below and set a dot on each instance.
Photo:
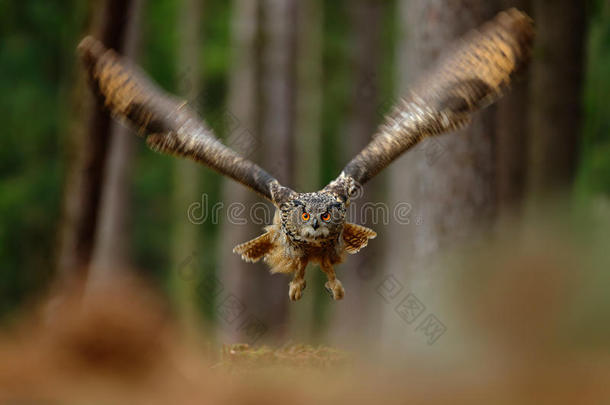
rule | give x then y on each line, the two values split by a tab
315	224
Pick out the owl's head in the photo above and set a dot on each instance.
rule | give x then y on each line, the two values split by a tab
313	216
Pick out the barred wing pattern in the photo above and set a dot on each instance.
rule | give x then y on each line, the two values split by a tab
471	75
167	123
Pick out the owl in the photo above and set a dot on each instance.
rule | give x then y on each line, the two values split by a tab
313	227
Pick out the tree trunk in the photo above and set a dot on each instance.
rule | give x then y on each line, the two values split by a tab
279	100
279	81
262	93
83	187
308	143
448	181
556	87
242	284
111	253
512	138
185	249
263	293
356	312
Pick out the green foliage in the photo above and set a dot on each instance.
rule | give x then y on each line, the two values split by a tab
153	177
37	79
594	176
37	39
336	85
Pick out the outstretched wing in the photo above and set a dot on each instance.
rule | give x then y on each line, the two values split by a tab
168	124
356	237
470	75
255	249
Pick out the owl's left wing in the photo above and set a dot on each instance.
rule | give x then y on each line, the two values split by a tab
471	75
168	124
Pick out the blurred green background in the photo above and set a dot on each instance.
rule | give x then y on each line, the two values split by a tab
41	83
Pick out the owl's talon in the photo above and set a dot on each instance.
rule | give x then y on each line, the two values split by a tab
295	290
335	288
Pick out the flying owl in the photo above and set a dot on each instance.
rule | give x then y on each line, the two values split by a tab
312	227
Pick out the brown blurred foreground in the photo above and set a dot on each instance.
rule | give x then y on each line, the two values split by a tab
534	320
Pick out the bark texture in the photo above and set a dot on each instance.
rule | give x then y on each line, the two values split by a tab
91	140
556	92
355	313
262	99
308	147
512	134
186	190
111	254
447	183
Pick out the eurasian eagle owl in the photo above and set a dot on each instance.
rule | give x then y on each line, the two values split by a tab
312	227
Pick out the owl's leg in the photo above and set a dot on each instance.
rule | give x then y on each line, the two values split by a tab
333	285
298	284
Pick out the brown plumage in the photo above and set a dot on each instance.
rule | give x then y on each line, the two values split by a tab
254	250
356	237
312	227
169	124
470	75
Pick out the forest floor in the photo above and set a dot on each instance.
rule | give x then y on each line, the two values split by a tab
122	347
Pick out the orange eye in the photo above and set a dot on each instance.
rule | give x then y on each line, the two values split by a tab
325	216
305	216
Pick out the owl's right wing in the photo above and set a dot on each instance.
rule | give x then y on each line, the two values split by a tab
470	75
169	125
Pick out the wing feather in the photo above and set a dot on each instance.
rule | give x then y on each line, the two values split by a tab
255	249
471	74
168	124
356	237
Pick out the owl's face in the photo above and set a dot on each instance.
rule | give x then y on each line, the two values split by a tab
313	217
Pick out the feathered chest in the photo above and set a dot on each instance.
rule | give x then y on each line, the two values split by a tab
308	246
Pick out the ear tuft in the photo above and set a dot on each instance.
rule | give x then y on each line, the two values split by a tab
280	194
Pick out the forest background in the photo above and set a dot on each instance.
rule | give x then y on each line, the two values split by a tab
299	87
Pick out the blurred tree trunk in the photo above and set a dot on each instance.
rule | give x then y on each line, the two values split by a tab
184	246
91	139
308	142
512	137
355	312
279	53
113	236
279	83
448	181
270	107
556	93
238	278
